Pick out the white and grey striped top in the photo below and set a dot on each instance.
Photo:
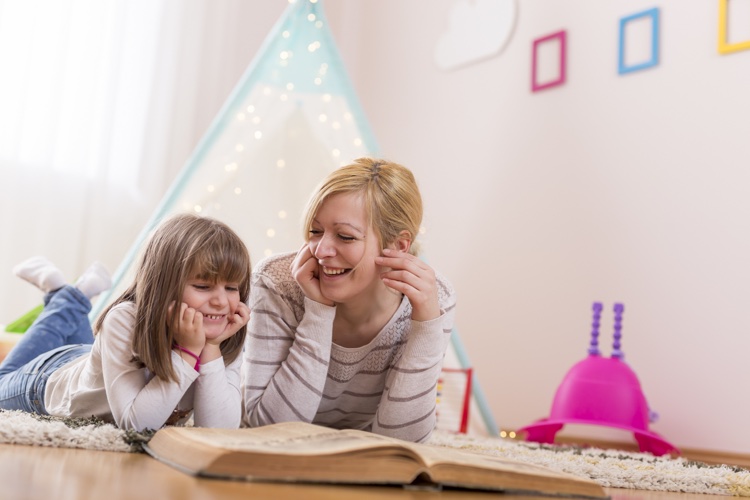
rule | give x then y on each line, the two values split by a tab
292	371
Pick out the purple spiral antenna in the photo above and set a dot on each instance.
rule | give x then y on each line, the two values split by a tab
594	345
616	352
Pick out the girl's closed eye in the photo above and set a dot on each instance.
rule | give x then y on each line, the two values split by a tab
344	237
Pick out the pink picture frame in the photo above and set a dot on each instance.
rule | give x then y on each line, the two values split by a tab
561	38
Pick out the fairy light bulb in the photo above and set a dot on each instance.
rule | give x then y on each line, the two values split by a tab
210	188
280	163
238	190
271	232
282	214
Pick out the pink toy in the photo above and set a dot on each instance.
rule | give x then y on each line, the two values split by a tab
601	391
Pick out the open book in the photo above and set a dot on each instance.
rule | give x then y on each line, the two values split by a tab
296	451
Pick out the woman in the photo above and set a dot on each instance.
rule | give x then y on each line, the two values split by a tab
351	330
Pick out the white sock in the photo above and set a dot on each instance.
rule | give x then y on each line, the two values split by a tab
94	280
40	272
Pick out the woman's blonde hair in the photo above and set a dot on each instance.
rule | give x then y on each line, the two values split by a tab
390	193
182	248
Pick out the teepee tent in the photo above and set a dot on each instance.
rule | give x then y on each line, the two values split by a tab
292	118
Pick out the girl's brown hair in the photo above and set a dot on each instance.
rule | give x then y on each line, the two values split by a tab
391	197
182	248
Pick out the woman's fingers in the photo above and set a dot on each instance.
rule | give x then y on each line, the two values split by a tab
415	279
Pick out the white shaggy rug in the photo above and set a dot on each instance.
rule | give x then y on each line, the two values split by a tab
609	468
613	468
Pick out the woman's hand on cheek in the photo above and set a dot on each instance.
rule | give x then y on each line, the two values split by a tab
415	279
305	272
189	333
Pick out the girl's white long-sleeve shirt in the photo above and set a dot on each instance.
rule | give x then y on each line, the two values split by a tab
294	372
108	384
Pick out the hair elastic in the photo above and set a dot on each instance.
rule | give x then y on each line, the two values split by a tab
197	358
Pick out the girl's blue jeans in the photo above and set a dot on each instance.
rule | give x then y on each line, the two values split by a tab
60	334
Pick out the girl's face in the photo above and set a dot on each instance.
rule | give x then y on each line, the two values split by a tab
345	247
215	301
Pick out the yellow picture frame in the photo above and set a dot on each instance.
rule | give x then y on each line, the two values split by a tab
724	46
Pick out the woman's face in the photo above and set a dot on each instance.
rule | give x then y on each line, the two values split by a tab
345	247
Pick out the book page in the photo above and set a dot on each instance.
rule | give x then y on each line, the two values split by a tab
435	455
296	438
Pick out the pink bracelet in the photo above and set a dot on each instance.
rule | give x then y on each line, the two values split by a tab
197	358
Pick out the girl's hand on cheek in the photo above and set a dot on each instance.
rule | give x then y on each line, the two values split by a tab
235	322
189	332
305	269
415	279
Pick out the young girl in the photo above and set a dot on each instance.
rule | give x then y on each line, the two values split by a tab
351	330
167	348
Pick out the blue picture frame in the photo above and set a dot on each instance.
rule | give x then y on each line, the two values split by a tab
622	68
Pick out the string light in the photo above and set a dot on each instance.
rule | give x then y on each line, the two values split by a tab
288	85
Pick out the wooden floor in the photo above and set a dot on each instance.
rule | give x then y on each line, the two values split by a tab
31	472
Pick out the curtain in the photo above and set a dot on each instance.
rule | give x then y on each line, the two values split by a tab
101	103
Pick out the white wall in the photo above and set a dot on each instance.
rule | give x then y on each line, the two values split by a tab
632	188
